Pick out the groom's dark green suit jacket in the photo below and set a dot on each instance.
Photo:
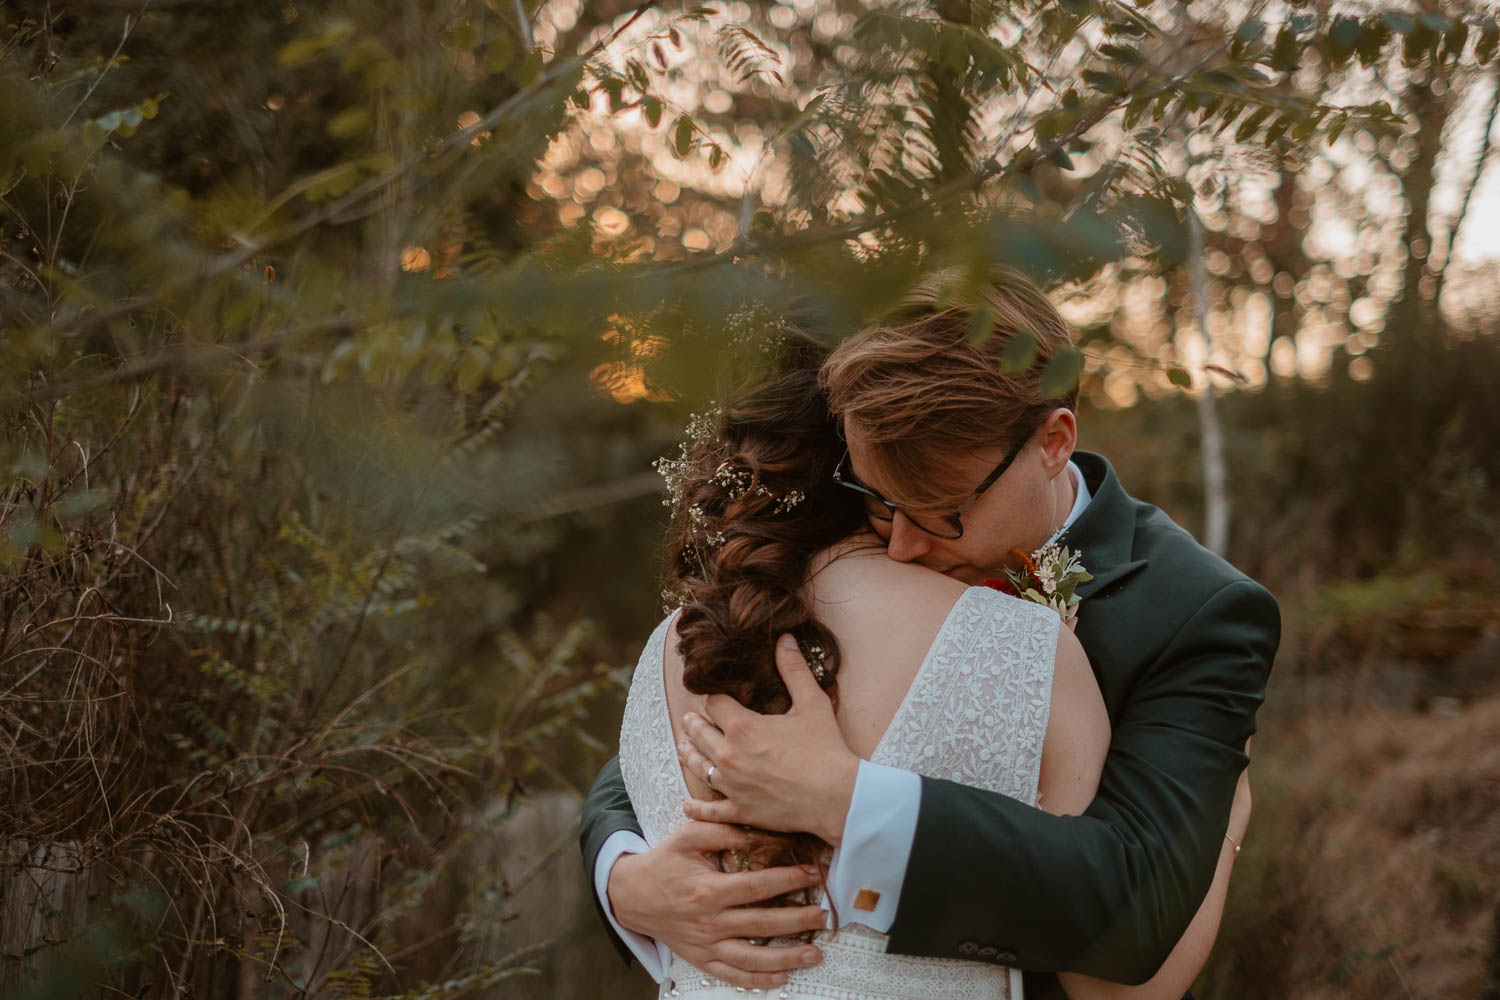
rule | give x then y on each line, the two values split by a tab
1182	644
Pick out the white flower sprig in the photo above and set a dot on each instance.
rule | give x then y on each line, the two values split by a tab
679	468
1049	576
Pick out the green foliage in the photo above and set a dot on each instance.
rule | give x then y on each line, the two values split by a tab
302	366
261	533
1060	376
1019	352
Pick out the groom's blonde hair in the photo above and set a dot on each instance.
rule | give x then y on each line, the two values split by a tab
925	384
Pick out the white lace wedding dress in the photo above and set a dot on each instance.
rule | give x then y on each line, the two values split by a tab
976	713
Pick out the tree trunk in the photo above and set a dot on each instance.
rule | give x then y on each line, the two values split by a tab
1415	318
44	903
1480	161
1215	490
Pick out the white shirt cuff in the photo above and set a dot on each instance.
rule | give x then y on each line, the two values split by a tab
865	876
655	957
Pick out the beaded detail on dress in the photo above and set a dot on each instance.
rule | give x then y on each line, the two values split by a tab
976	713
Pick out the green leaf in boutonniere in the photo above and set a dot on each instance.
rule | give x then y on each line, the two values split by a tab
1049	576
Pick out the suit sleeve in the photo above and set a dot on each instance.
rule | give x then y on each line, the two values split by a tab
1109	893
606	811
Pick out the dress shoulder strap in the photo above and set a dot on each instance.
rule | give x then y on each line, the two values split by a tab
977	710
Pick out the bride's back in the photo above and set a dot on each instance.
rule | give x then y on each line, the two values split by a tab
885	616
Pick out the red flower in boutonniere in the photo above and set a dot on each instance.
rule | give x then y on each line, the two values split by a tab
1049	576
1004	586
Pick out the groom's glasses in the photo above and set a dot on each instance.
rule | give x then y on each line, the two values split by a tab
879	509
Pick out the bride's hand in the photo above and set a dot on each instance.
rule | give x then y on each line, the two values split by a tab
676	894
789	772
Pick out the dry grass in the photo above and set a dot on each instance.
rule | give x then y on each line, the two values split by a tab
1370	867
239	734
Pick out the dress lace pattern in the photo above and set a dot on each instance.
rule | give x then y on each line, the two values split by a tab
976	713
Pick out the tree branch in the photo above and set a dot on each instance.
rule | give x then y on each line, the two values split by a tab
312	220
176	356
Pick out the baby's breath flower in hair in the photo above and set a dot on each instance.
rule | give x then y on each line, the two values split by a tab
672	598
678	469
756	326
735	480
816	657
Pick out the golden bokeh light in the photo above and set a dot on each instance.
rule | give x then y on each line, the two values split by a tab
648	347
415	258
611	221
468	120
627	384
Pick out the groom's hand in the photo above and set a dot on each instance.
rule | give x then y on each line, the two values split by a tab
676	894
789	772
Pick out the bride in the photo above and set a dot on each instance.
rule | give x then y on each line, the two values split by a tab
955	682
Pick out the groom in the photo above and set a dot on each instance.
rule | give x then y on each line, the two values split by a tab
1180	641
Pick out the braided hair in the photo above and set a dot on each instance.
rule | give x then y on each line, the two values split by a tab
754	501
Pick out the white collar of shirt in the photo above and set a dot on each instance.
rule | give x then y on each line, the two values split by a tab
1080	501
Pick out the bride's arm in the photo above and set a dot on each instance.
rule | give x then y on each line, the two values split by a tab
1077	739
1176	975
1072	759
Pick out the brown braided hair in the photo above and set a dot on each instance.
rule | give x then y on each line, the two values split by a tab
755	502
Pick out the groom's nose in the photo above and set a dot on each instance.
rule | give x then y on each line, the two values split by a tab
907	542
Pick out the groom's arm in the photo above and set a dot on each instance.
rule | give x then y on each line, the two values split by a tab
1108	893
607	812
980	876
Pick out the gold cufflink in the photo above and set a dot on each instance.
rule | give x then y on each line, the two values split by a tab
867	900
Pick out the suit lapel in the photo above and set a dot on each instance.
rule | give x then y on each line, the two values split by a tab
1104	533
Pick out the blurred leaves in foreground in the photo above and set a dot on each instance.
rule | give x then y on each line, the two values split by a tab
335	341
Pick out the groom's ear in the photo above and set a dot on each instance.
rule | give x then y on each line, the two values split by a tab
1058	437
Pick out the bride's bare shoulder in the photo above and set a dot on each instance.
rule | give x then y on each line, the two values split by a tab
857	573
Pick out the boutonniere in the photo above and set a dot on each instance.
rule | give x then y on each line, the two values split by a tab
1048	576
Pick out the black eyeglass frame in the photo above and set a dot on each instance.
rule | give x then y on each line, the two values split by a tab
954	519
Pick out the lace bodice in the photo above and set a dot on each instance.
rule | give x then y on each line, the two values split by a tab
976	713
